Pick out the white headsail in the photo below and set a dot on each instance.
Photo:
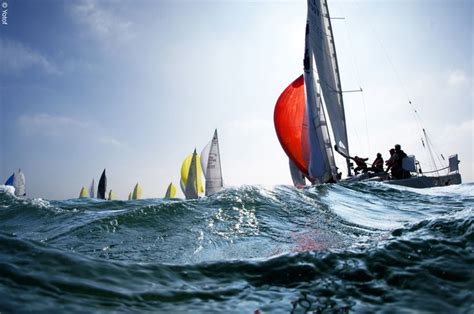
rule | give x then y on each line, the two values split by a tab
92	189
211	166
320	42
19	183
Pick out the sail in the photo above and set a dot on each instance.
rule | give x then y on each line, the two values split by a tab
92	189
10	180
321	167
186	170
111	195
19	183
137	192
83	193
102	186
192	180
129	196
296	175
320	42
171	191
211	166
291	124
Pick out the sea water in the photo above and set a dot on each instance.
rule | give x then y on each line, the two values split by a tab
363	247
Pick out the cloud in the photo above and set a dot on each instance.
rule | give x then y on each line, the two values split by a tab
44	124
49	125
18	57
111	141
458	78
102	23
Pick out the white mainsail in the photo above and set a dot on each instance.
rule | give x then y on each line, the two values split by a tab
19	183
92	189
321	167
211	166
320	42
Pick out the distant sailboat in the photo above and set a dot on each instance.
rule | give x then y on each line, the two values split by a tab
191	183
92	189
129	196
102	186
171	191
137	192
111	195
211	166
19	183
10	180
83	193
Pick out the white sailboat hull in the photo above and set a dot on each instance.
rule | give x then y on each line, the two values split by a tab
419	182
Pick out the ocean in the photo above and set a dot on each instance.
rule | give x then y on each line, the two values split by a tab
364	247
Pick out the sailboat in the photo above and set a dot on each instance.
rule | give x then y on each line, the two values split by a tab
191	183
111	195
300	115
102	186
83	193
129	196
137	192
170	191
19	183
92	189
211	166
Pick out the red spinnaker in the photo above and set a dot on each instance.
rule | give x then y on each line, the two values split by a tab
290	124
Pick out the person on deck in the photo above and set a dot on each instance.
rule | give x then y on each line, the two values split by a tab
377	165
361	165
391	164
401	173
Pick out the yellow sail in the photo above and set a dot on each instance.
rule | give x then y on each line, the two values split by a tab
111	195
137	192
185	171
129	195
83	193
171	191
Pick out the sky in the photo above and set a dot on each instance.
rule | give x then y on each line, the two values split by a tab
135	86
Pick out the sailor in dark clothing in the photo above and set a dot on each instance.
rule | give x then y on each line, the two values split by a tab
401	173
377	165
391	163
361	165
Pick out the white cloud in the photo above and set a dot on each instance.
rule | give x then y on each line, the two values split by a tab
49	125
44	124
458	78
102	23
111	141
17	57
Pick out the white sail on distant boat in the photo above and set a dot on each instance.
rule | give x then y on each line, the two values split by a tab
211	166
305	136
92	189
19	183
